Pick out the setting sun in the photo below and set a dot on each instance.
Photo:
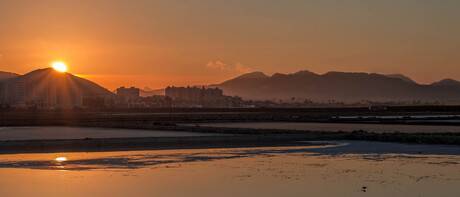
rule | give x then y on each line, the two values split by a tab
59	66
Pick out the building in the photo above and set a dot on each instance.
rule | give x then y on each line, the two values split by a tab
128	95
201	97
192	94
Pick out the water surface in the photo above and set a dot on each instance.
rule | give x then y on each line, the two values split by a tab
41	133
346	127
346	169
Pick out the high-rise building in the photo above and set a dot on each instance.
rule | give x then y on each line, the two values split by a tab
127	95
204	97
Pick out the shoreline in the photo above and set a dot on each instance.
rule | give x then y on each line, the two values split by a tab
420	138
154	143
234	138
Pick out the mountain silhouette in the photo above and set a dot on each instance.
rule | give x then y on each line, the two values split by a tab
253	75
447	82
7	75
403	77
151	92
45	78
339	86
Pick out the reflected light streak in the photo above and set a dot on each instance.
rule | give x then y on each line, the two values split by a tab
61	159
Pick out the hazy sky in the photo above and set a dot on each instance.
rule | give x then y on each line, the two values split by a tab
174	42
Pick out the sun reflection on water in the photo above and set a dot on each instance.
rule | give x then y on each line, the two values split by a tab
61	159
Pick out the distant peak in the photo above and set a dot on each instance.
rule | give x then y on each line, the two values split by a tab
338	72
253	75
47	76
447	82
42	71
305	72
402	77
333	73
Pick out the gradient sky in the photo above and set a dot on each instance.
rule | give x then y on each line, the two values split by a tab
179	42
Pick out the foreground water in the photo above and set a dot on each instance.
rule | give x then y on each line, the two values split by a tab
346	127
41	133
347	168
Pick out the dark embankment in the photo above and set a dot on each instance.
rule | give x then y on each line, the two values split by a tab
427	138
10	117
156	143
241	137
168	119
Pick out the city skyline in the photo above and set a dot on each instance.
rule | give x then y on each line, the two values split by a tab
113	82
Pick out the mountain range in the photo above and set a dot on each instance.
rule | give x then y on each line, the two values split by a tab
339	86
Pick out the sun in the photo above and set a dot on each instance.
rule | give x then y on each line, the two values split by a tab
59	66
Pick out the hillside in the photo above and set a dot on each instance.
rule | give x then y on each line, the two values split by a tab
46	77
339	86
7	75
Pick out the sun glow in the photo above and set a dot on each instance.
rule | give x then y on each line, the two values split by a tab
61	159
59	66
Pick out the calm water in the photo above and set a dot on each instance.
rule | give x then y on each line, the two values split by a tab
346	169
398	117
35	133
378	128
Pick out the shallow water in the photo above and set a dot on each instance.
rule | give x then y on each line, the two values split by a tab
399	117
344	169
36	133
346	127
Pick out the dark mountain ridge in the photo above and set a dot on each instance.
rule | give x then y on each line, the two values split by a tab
44	78
340	86
403	77
446	82
7	75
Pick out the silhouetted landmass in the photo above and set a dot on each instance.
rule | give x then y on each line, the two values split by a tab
253	75
339	86
7	75
447	82
303	86
43	78
403	77
13	117
149	92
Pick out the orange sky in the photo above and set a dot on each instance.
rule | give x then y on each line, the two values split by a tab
159	43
